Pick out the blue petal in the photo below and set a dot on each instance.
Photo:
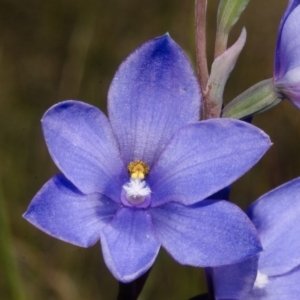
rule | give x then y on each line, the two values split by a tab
234	281
281	54
284	287
153	93
276	217
287	62
203	158
289	85
82	145
129	245
210	233
62	211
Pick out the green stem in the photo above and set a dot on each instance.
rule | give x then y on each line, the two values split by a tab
221	43
9	266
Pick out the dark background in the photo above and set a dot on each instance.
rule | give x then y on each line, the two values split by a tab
62	49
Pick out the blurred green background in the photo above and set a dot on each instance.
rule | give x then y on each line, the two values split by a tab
61	49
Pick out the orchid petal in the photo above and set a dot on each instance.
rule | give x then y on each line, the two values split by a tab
209	233
234	281
289	85
62	211
203	158
82	145
276	217
281	287
129	245
153	93
287	57
284	50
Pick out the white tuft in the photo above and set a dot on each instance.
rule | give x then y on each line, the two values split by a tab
261	280
136	191
136	188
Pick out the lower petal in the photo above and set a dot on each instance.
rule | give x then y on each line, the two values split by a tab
207	234
129	245
234	281
63	212
276	217
284	287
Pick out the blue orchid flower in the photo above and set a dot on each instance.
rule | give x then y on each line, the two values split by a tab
274	273
137	181
287	55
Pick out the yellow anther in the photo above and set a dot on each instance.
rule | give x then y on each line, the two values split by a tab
138	169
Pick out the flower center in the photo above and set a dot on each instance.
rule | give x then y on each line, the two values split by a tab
261	280
136	192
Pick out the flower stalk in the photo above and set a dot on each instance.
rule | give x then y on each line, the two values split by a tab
8	264
132	290
201	58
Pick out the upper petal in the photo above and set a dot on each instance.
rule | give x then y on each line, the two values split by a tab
202	158
235	281
82	145
209	233
153	93
128	244
62	211
276	217
287	55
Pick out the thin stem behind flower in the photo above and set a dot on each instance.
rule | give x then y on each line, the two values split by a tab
132	290
200	31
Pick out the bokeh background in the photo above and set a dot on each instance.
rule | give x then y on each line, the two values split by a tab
62	49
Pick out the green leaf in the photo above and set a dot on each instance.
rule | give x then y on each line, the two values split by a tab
229	12
258	98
